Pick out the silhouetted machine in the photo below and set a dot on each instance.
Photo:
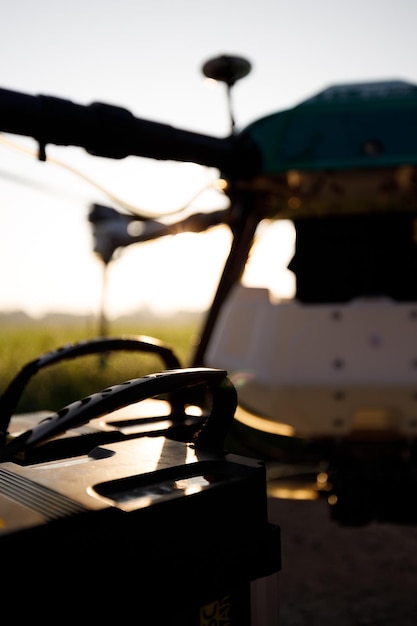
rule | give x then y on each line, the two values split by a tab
336	366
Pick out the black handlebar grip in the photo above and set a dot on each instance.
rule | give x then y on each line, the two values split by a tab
211	435
98	345
110	131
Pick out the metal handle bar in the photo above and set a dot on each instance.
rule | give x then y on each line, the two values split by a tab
111	131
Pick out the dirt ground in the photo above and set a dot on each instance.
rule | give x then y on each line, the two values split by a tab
335	575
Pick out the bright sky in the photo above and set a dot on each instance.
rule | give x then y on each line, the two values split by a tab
147	57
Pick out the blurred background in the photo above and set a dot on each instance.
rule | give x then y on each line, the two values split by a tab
148	59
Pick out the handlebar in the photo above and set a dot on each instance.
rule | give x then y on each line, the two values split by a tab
110	131
210	436
99	345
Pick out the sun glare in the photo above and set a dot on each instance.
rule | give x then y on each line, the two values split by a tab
271	253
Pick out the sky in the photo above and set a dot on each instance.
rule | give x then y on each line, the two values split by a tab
147	58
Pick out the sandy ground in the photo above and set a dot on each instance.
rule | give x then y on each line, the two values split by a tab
334	575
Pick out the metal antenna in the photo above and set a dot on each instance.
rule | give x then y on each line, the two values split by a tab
227	69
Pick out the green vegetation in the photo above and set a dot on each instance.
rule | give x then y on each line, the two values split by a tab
58	385
52	388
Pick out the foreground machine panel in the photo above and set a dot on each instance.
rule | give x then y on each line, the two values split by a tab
173	531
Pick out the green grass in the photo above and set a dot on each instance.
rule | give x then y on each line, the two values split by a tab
56	386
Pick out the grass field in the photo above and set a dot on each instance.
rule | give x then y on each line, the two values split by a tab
56	386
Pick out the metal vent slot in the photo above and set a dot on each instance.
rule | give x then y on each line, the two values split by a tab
44	501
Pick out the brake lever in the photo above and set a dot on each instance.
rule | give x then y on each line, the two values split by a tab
211	435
